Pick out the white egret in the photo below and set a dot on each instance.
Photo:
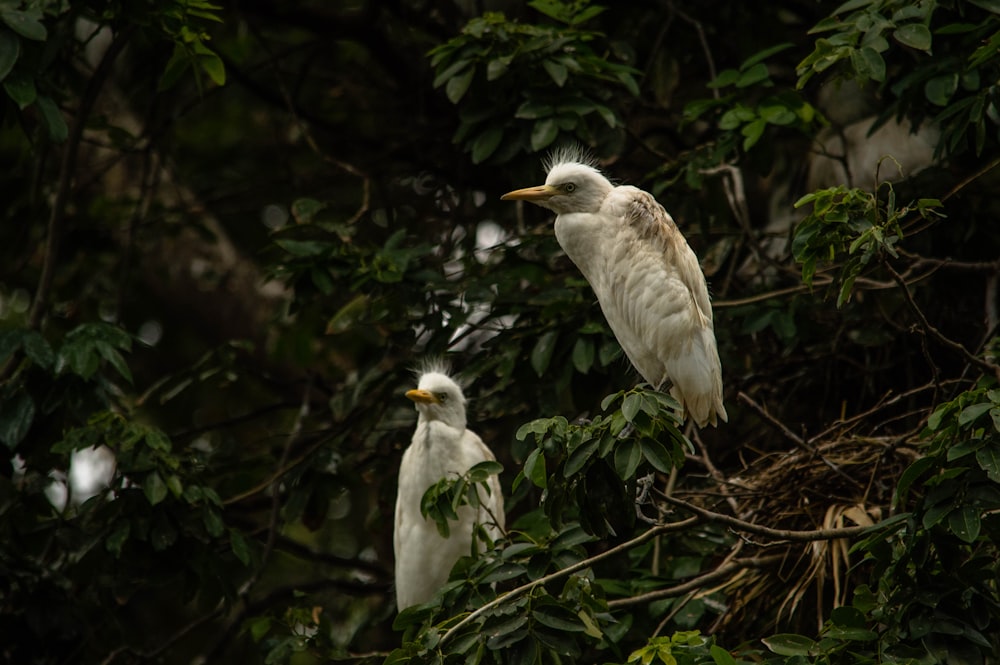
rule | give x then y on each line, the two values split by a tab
646	277
442	447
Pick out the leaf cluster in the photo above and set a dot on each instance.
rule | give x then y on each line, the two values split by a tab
853	228
520	88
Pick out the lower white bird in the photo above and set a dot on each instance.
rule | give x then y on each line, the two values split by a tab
647	279
442	447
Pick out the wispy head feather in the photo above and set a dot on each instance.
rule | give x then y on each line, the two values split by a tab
439	365
434	364
568	154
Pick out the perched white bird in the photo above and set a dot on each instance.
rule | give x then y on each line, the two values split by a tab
646	277
442	447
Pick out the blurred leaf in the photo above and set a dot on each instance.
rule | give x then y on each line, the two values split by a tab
541	354
534	468
16	416
25	23
458	85
154	488
558	72
486	144
54	121
786	644
583	354
544	133
10	50
914	35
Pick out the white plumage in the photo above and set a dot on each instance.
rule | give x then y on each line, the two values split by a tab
442	447
647	279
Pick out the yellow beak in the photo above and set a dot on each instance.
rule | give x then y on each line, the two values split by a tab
422	396
540	193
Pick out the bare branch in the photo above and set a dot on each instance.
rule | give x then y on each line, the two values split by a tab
780	534
721	572
937	334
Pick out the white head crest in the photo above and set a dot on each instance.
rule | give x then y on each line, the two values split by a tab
573	153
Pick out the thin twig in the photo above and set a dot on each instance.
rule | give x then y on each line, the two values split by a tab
937	334
793	437
737	524
67	168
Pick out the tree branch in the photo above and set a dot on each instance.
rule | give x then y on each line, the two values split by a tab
937	334
781	534
723	571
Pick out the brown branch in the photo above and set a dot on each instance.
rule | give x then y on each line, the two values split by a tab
760	530
723	571
793	437
66	169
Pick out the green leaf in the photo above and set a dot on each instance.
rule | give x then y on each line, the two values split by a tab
305	209
154	488
583	354
16	416
38	349
724	78
579	457
752	132
25	24
628	456
450	71
240	546
940	89
788	644
116	539
179	61
656	454
534	468
964	522
992	6
212	65
486	144
115	359
259	627
557	72
989	461
914	35
10	50
213	521
560	618
531	110
481	472
459	85
544	133
874	63
721	656
54	121
755	74
631	406
971	413
541	355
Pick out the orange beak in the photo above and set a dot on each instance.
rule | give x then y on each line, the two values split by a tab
422	397
540	193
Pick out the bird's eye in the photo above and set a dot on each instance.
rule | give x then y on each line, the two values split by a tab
442	397
569	188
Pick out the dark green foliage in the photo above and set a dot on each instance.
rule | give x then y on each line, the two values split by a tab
244	380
